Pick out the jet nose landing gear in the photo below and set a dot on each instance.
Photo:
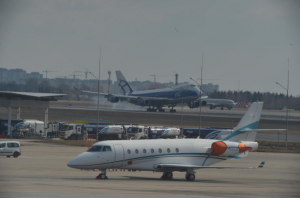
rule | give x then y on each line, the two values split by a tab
102	175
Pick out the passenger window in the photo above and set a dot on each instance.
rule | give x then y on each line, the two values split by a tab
128	151
140	130
136	151
159	150
168	150
10	145
106	148
2	145
144	150
152	150
16	144
177	150
95	149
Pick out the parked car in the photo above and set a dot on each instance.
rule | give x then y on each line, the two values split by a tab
10	148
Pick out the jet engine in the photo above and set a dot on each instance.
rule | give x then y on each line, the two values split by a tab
203	103
231	148
114	99
144	102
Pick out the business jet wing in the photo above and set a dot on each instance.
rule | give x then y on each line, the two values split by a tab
184	167
258	130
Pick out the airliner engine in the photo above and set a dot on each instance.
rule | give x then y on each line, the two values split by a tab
231	148
113	99
145	102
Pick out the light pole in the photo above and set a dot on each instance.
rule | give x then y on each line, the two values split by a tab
287	106
199	104
97	105
287	111
98	95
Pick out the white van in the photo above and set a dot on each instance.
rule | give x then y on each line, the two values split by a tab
10	148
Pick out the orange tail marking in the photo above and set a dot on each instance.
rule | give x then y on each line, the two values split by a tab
243	148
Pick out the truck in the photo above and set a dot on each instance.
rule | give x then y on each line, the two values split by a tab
4	124
78	131
53	128
139	132
30	128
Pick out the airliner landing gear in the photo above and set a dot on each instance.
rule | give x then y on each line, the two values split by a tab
222	108
167	175
102	175
172	110
190	176
160	109
151	109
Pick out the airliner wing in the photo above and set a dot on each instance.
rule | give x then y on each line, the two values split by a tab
106	95
184	167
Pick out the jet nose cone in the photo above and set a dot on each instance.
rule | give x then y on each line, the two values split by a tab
71	163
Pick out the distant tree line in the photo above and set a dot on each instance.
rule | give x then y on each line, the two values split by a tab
271	100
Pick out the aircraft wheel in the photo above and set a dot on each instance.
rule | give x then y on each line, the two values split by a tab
169	175
190	177
8	156
101	176
222	108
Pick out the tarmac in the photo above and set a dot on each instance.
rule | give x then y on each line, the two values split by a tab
41	171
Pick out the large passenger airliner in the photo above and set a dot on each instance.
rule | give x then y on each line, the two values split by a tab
169	155
155	99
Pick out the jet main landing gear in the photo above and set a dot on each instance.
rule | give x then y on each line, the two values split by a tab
190	176
167	175
102	175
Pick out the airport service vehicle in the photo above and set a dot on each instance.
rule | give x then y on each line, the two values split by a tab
78	131
53	129
169	155
137	132
10	148
29	128
155	99
213	103
4	124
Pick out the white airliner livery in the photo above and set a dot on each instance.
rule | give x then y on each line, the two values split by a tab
213	103
169	155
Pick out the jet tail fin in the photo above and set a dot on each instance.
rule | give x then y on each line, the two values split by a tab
245	130
123	84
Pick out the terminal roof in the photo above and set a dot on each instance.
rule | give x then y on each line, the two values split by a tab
30	95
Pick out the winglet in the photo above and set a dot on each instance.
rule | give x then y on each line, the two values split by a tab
262	164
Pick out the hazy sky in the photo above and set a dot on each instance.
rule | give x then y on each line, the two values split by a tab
247	41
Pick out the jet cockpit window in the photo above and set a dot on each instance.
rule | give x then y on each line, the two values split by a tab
95	149
106	148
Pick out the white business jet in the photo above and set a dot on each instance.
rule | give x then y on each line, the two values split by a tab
168	155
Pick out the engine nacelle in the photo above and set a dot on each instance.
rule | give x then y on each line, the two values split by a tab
144	102
203	103
231	148
114	99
